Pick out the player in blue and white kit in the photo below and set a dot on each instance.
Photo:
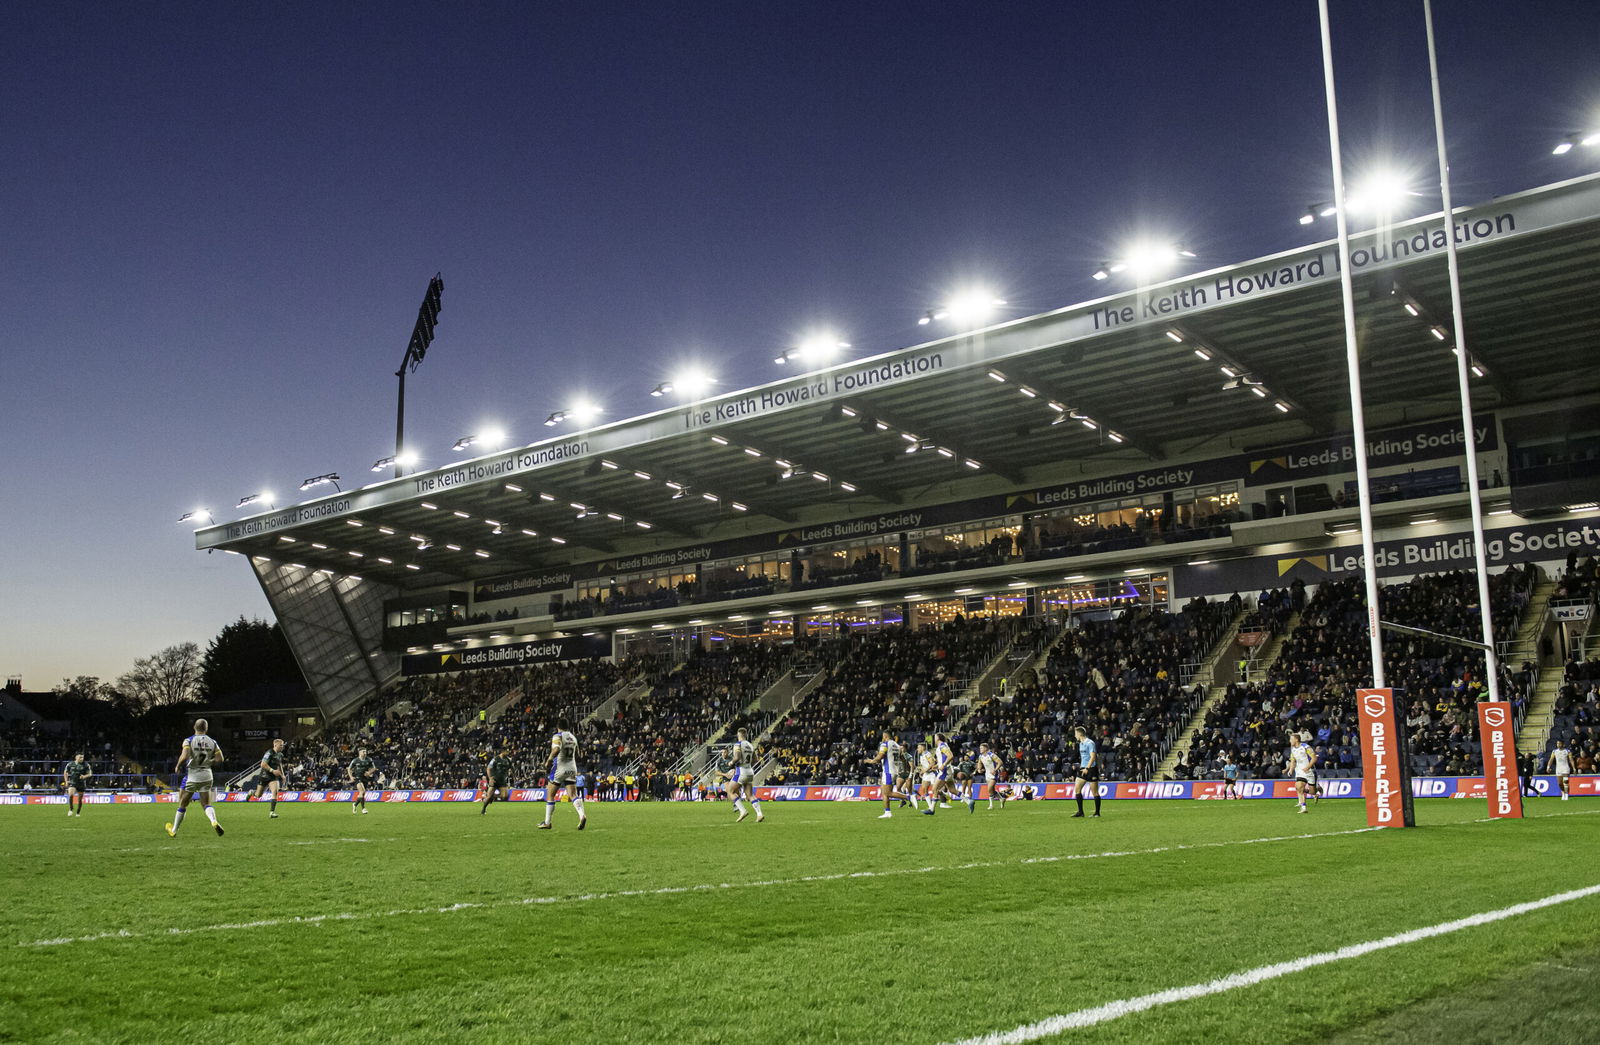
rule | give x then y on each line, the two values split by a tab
200	754
742	777
563	774
943	758
989	765
890	761
1088	770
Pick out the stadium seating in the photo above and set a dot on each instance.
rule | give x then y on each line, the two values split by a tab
1120	678
1312	685
898	679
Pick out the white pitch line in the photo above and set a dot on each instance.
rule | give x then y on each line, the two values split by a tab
671	890
1128	1006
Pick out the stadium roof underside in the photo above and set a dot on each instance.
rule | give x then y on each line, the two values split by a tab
1005	407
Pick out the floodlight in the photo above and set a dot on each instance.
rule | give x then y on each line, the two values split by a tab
972	305
817	347
693	383
1381	192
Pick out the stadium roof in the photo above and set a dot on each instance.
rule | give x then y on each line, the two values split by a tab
1117	383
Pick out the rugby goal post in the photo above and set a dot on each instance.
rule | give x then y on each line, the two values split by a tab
1496	735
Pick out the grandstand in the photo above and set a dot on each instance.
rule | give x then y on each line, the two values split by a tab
787	558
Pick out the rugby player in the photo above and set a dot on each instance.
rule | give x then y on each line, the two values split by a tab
927	779
361	772
563	774
989	763
1302	761
73	776
272	777
891	762
742	777
1088	770
200	754
942	762
497	774
965	770
1560	763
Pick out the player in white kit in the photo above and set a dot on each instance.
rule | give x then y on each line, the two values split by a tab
563	774
989	765
742	777
1302	761
1560	763
927	771
200	754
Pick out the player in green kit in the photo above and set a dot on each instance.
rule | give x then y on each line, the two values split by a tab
497	775
272	778
362	773
75	778
966	786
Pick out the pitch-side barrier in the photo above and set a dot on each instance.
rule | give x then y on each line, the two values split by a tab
1340	787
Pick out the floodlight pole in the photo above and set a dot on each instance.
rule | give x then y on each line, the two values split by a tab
1470	445
1352	356
421	338
400	416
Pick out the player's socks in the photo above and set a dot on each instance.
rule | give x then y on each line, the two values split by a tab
1097	802
1080	803
211	814
738	804
177	821
755	803
274	807
549	809
583	818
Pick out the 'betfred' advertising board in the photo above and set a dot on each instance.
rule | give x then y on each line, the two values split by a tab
1384	771
1499	760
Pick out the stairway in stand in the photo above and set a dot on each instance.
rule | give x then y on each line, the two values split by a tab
1216	671
1535	730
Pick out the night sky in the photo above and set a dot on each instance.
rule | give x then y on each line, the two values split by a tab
221	218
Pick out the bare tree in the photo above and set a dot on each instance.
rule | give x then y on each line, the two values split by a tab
87	687
171	676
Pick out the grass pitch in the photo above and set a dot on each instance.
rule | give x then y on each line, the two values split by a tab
668	923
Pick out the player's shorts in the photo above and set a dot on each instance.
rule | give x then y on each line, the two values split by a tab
563	775
1089	773
198	780
269	783
1305	778
740	775
987	779
497	785
931	779
75	787
889	776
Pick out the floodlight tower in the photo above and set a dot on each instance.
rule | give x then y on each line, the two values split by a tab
421	338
